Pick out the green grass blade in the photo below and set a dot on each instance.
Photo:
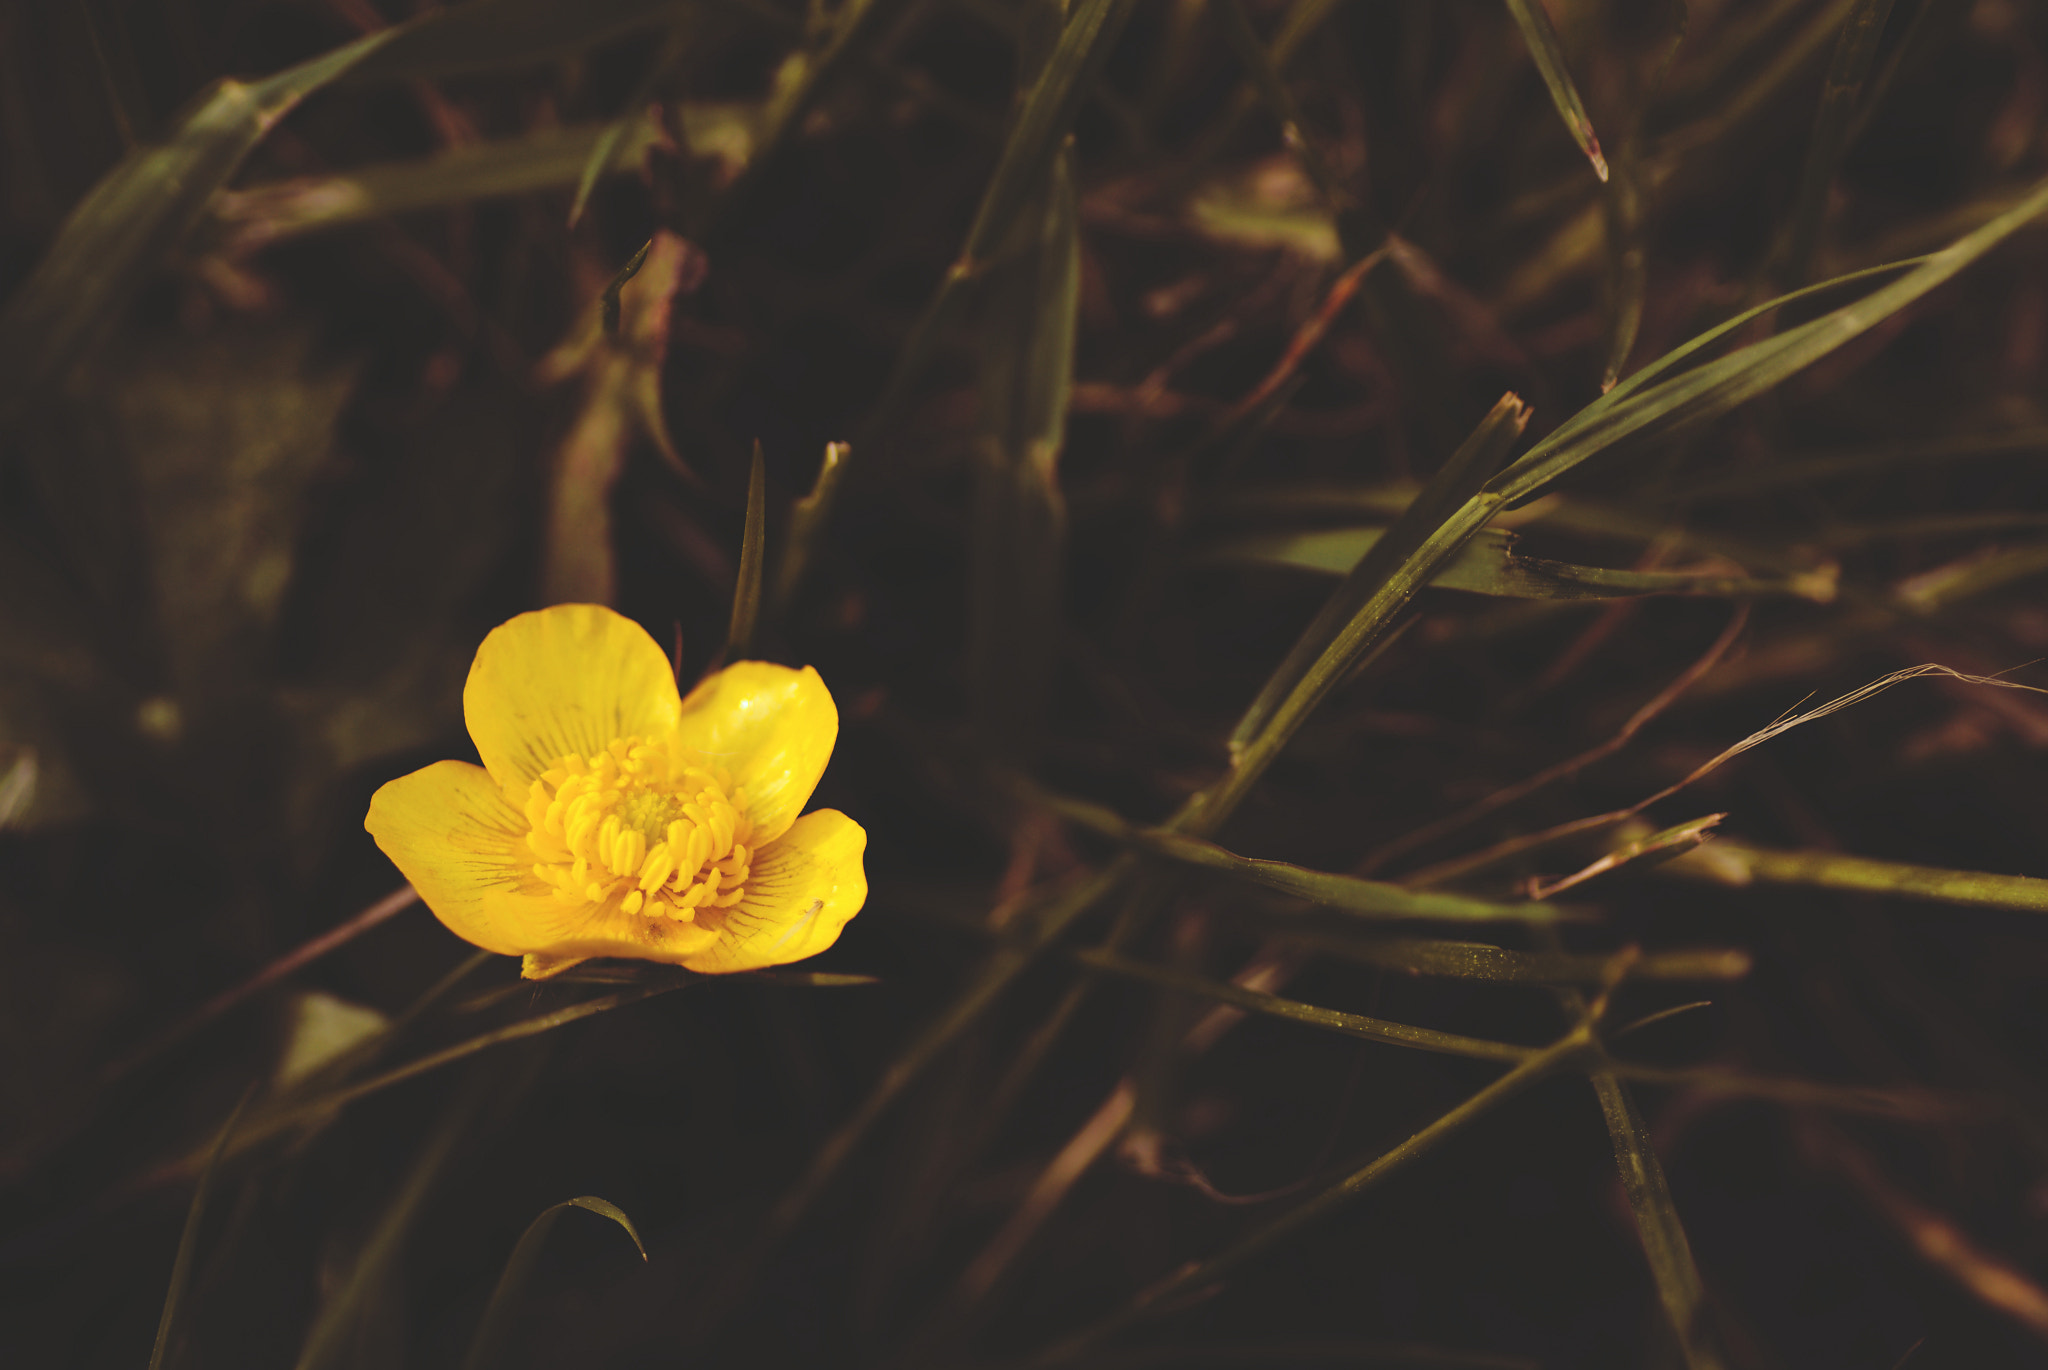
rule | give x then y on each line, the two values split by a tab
188	1240
1163	1296
1643	412
746	596
1855	51
1734	863
500	1320
1480	961
1365	898
1041	128
1033	299
139	212
807	520
1489	565
1665	1244
1398	565
1541	36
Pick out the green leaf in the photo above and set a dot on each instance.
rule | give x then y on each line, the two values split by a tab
500	1321
746	596
1738	864
1365	898
1489	565
1541	36
139	212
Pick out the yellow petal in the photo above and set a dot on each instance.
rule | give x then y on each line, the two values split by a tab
562	681
773	728
449	829
802	891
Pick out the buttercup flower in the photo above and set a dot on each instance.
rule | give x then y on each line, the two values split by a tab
612	817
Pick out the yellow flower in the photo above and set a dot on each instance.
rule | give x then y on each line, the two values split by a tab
611	817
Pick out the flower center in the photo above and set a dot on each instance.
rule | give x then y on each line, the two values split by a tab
643	822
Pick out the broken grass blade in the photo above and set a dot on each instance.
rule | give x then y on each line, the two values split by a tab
1855	51
188	1239
746	595
1734	863
1548	54
494	1332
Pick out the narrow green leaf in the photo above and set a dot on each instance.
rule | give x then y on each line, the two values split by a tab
1399	564
1479	961
500	1321
1855	52
336	1327
1041	128
1489	565
188	1240
1665	1244
1366	898
1639	411
807	520
1736	863
1541	36
746	596
139	212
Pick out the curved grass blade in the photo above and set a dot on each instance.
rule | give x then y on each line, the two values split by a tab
494	1332
138	212
188	1240
746	595
1541	36
1855	52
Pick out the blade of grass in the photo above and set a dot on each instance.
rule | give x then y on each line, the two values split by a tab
746	596
1541	36
1892	1103
1423	538
188	1240
494	1332
1199	1276
139	212
1041	128
603	152
1736	863
329	1340
1855	52
1027	366
1479	961
1366	898
807	520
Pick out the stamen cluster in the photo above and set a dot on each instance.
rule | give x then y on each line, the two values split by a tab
644	822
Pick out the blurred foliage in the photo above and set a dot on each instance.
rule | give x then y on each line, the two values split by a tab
1107	397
